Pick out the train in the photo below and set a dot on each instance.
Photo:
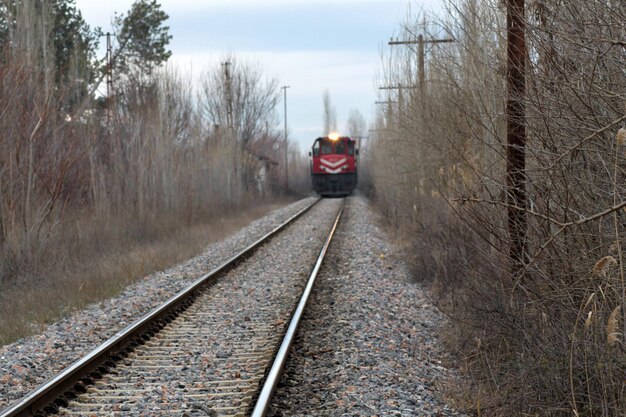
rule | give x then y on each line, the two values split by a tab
334	165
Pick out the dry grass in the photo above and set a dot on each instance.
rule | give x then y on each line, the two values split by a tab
601	267
102	262
613	335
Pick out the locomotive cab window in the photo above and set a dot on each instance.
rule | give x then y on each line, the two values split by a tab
340	148
327	147
316	148
351	148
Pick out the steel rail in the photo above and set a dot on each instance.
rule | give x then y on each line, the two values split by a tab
52	392
273	377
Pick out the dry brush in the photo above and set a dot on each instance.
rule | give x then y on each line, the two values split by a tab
94	184
546	338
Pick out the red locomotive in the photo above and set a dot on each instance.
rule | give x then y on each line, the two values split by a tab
334	165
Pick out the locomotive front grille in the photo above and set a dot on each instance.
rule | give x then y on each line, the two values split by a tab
334	184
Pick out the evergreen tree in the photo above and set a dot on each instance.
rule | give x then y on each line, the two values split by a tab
5	21
142	38
74	41
55	38
74	44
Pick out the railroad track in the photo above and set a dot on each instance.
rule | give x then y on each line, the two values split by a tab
202	352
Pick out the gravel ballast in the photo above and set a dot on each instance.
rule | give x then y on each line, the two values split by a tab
209	360
368	344
27	363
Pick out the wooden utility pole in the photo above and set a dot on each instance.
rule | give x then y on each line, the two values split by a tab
109	59
229	97
420	61
421	54
284	88
230	133
400	101
109	79
388	103
516	131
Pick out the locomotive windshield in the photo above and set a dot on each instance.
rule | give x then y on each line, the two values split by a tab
327	147
324	146
316	148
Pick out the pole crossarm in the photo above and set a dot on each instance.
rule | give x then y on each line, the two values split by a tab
397	87
421	41
417	41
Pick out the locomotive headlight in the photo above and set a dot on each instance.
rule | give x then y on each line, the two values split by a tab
333	136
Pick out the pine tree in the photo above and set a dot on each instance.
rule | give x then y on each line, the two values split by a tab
142	38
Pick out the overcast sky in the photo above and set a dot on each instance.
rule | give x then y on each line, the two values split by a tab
309	45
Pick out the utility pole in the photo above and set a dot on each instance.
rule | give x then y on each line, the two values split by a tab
421	67
516	131
230	134
420	41
109	59
284	88
229	97
388	103
109	79
359	139
400	100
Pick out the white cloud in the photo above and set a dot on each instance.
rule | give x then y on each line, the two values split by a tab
99	12
307	72
212	4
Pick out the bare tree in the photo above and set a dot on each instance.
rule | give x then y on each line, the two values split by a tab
253	98
329	115
356	125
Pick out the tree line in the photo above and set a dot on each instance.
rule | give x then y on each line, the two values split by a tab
85	173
